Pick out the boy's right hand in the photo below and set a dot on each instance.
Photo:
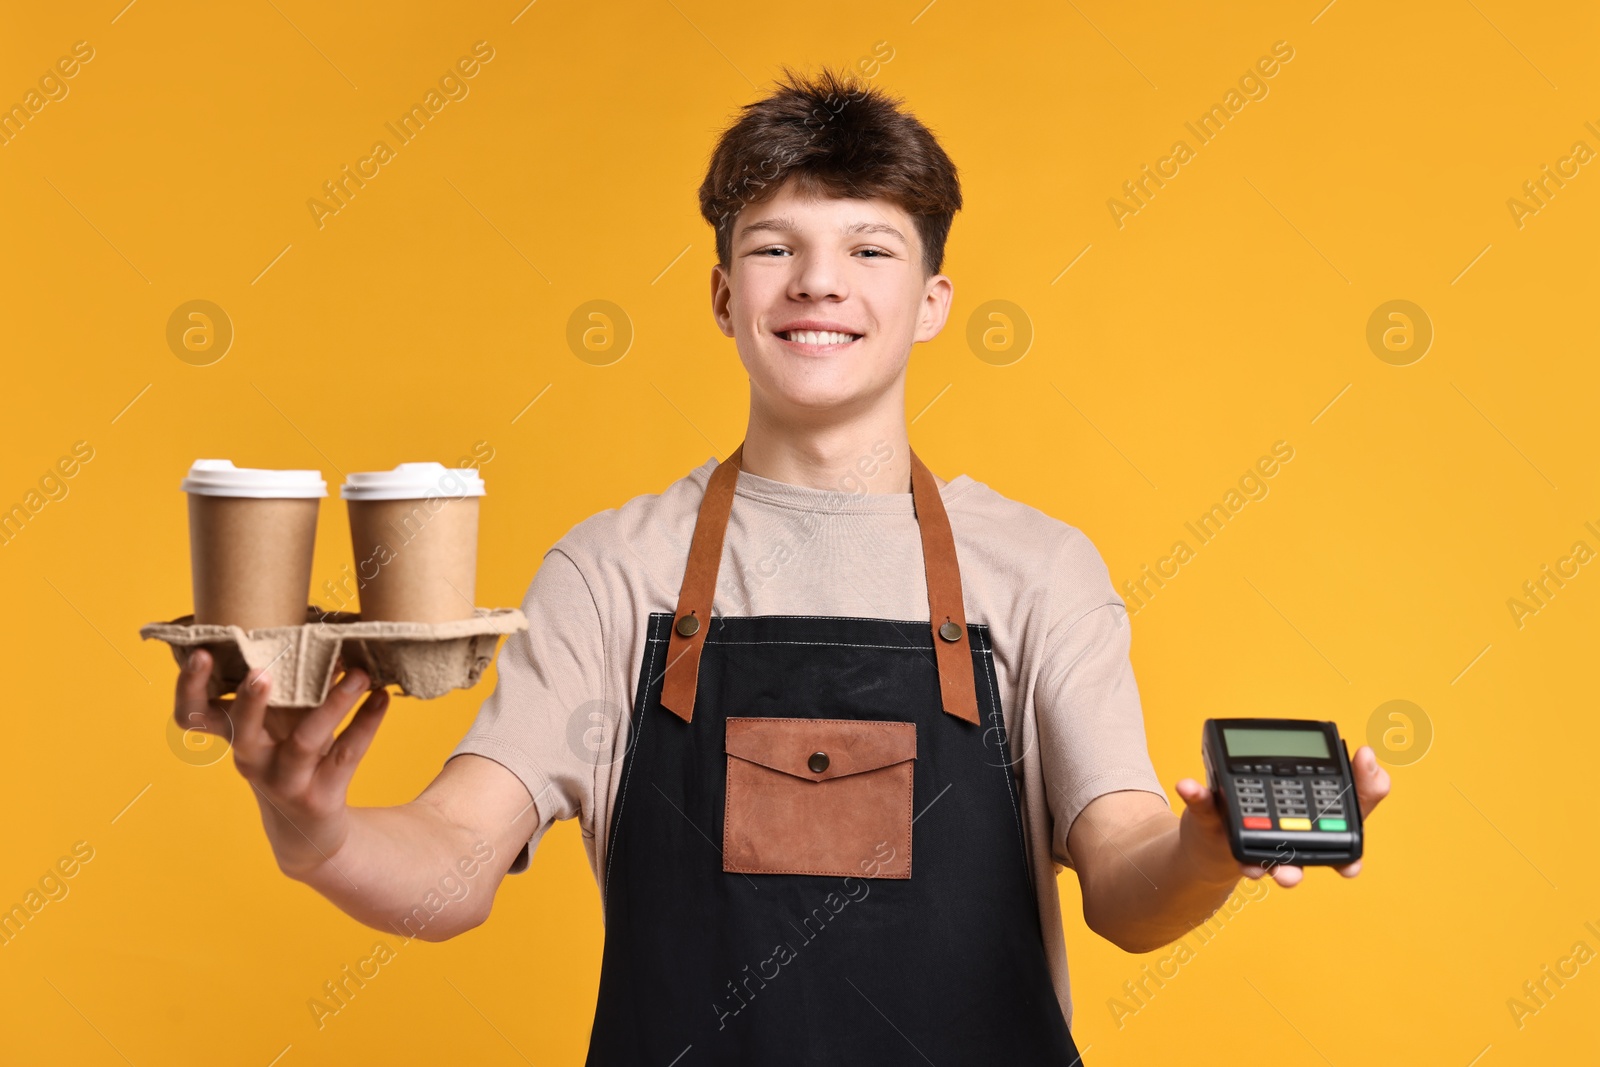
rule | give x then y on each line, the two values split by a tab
299	770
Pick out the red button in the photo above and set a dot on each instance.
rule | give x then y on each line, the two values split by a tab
1257	822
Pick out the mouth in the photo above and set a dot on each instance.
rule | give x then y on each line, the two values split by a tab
817	340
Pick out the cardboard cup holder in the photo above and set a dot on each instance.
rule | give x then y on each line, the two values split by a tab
426	660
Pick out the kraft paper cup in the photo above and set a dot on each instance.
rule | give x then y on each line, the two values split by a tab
414	530
251	536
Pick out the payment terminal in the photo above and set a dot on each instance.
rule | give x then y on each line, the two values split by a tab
1284	790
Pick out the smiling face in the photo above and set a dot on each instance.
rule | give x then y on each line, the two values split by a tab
825	297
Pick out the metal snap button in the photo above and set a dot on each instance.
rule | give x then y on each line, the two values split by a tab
688	625
818	762
950	631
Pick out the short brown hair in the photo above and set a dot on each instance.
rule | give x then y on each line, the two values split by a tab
836	136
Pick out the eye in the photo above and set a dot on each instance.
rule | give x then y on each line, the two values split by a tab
880	253
769	248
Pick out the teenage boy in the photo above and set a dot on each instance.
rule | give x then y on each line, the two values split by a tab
831	724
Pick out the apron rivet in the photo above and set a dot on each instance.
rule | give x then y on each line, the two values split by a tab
818	762
688	625
950	631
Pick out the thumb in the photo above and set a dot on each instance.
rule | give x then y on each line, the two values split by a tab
1372	781
1197	798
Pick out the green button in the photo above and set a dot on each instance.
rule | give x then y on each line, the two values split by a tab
1330	824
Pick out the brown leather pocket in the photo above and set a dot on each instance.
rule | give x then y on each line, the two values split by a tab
819	796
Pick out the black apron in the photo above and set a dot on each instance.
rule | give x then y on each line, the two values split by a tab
803	921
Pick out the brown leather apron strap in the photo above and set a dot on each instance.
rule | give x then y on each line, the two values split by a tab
951	645
692	619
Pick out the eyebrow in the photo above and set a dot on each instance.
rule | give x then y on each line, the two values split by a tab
785	224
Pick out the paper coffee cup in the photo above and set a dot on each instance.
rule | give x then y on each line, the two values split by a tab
251	535
414	530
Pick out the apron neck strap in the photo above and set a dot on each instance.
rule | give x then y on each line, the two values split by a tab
691	621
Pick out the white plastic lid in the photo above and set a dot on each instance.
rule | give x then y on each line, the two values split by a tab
219	477
412	481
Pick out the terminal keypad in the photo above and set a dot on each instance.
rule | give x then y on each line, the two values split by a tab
1289	796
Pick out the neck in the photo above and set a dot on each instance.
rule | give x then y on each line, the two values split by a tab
868	452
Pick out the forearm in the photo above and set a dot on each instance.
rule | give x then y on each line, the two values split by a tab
406	870
1150	886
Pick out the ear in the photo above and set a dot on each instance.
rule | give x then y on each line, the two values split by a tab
937	294
721	298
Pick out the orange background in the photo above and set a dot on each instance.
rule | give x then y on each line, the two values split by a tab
425	318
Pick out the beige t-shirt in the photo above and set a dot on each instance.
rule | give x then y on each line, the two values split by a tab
559	715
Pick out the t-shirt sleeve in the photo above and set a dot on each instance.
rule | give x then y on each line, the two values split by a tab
546	678
1091	725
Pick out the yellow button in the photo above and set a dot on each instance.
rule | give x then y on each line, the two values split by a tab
1294	824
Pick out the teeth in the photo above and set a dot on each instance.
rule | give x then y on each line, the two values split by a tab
818	337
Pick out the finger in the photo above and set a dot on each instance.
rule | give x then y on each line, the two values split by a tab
251	745
303	749
210	722
192	709
1372	781
281	721
339	764
1252	871
1287	875
1350	870
318	724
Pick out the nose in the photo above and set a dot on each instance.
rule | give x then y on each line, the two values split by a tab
817	276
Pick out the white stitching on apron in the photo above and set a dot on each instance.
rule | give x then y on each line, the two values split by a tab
633	741
1005	766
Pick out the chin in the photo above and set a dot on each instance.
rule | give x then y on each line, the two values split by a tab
821	405
811	394
810	384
